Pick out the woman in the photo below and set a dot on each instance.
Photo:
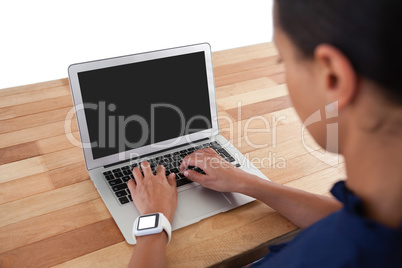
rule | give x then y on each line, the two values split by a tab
346	56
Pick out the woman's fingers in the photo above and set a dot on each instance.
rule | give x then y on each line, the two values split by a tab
137	175
203	158
195	176
172	180
131	186
198	158
146	169
161	171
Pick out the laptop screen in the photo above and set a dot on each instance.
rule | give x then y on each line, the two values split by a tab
138	104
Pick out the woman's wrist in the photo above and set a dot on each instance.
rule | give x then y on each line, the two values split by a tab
248	184
153	238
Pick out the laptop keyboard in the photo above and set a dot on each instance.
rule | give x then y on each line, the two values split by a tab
118	177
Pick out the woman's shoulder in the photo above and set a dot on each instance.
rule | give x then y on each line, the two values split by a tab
343	239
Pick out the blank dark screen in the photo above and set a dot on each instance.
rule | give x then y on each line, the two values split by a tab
118	100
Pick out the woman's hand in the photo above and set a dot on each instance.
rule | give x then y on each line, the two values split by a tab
154	193
220	174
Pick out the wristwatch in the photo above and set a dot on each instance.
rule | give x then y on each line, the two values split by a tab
152	224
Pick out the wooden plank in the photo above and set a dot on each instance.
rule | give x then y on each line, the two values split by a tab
24	187
64	247
35	133
284	116
276	158
47	202
245	86
22	168
285	148
267	140
213	227
224	118
117	255
297	167
259	252
33	87
246	65
68	175
37	95
42	182
63	158
264	123
247	98
266	71
18	152
33	120
240	54
282	150
225	246
279	78
266	132
56	143
319	182
35	107
52	224
262	107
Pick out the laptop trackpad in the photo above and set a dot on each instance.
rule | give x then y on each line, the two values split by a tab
198	201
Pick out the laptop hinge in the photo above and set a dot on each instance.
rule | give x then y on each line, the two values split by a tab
156	152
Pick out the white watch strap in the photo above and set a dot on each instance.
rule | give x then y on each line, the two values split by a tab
166	226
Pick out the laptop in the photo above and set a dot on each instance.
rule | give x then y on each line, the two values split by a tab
158	106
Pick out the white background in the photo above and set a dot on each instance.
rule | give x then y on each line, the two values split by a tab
40	39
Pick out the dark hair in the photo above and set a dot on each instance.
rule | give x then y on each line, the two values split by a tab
368	32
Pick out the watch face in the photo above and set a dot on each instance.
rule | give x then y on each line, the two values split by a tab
148	222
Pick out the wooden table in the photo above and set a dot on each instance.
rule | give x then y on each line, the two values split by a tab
52	215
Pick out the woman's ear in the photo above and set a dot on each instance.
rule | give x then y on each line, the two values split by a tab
336	75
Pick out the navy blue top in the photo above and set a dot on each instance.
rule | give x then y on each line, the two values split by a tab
343	239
